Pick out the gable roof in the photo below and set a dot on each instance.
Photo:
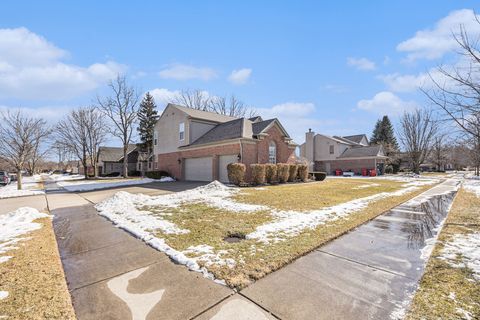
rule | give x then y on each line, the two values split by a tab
200	114
113	154
362	152
346	141
255	119
258	127
356	138
223	131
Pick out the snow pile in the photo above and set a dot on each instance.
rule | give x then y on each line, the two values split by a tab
122	209
467	247
88	185
472	185
11	191
291	223
65	177
13	225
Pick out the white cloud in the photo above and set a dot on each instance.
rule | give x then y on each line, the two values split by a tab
435	42
386	102
187	72
52	114
361	63
164	96
296	117
240	76
31	68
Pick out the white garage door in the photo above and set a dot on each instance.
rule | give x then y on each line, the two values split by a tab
198	169
223	161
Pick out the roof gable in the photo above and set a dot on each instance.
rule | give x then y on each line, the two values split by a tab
113	154
200	114
357	138
223	131
363	151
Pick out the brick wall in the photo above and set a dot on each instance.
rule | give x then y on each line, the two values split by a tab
285	154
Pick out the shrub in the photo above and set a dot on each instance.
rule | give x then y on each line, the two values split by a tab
282	172
157	174
389	169
303	172
320	176
292	172
271	172
258	173
236	173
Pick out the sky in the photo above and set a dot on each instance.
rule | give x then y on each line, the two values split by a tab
335	67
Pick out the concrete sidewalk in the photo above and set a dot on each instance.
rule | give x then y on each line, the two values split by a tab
369	273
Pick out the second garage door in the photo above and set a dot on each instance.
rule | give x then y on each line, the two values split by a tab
223	161
198	169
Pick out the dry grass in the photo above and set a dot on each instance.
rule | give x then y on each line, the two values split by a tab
316	195
210	226
432	299
34	279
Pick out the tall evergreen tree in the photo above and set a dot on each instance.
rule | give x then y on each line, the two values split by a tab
384	134
147	115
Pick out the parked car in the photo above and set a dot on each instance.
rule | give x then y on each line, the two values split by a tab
4	178
13	177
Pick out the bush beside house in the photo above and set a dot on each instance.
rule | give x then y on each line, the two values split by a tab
258	173
271	173
236	173
292	172
302	172
283	172
157	174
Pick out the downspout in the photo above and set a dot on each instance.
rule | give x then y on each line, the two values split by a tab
241	151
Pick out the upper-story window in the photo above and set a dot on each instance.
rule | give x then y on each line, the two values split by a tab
272	152
155	137
332	150
181	131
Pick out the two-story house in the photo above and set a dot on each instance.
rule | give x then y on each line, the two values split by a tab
349	153
198	145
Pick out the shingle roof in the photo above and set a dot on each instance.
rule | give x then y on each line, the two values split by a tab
258	127
206	115
366	151
345	140
113	154
255	119
355	138
223	131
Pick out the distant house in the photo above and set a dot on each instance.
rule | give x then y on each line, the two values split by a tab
110	159
348	153
198	145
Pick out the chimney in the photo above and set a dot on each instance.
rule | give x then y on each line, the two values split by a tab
310	146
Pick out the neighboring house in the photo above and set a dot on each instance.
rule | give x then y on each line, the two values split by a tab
349	153
110	159
198	145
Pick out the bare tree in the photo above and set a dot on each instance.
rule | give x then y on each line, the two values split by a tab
201	100
417	132
122	109
194	99
81	132
438	153
39	151
72	136
20	134
457	91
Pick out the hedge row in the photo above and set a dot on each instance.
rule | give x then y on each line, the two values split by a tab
270	173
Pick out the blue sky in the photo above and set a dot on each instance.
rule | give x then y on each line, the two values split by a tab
335	67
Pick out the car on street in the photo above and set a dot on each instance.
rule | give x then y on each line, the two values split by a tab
4	178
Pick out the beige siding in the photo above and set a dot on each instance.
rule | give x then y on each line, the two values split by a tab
322	148
198	129
167	130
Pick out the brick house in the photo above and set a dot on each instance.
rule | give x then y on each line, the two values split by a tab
197	145
349	153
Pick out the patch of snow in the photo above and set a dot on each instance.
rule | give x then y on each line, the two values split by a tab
5	258
11	191
14	224
291	223
467	247
205	253
89	185
452	296
65	177
465	314
364	186
472	185
3	295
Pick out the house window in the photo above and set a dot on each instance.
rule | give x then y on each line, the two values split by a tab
272	152
155	138
155	165
149	165
331	149
181	130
